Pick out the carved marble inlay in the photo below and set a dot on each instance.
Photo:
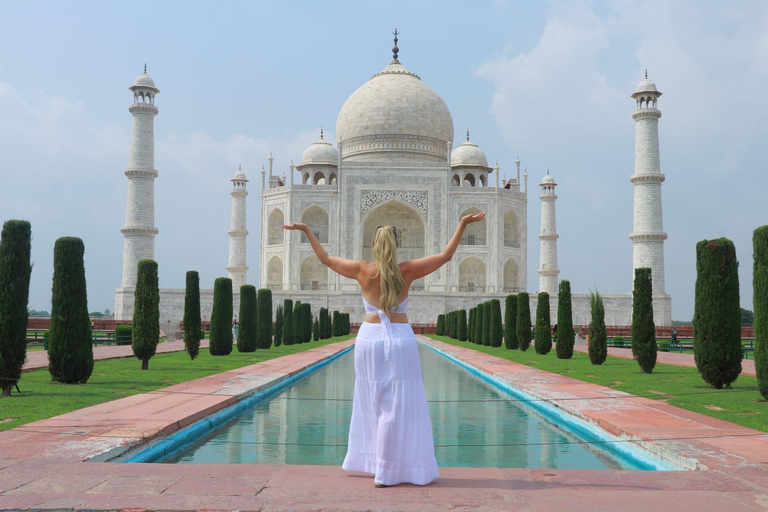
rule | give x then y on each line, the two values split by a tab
370	198
479	255
325	205
483	207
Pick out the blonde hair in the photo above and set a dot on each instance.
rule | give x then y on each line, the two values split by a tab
390	279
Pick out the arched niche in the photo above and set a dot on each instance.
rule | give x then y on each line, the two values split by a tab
511	229
313	275
275	273
472	275
511	276
317	220
475	233
275	232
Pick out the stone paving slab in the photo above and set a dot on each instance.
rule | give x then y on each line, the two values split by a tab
37	359
674	358
44	469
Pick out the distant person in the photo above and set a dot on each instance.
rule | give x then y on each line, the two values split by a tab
674	336
234	329
390	433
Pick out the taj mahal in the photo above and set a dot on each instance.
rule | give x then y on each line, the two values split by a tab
395	162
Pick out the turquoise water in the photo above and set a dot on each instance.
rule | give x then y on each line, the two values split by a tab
474	425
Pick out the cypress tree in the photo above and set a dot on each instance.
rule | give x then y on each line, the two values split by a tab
495	327
15	272
510	322
336	324
298	330
316	330
523	321
643	328
760	304
487	323
455	324
193	329
324	334
264	322
479	323
543	342
221	318
439	328
246	334
307	321
449	327
146	313
598	338
288	334
462	325
566	336
471	324
279	326
717	314
70	350
347	324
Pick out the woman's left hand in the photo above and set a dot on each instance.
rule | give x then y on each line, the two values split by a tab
296	225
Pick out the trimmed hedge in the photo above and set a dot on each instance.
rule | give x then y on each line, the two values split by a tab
123	334
598	337
643	329
279	326
70	345
246	334
146	313
288	334
566	336
316	330
15	272
221	318
306	322
495	327
471	325
193	329
523	321
298	330
462	324
760	304
479	323
717	314
510	323
487	323
336	324
440	325
543	341
264	318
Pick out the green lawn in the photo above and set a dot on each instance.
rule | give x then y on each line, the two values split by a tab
677	385
118	378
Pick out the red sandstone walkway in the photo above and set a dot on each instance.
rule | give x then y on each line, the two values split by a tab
675	358
37	359
41	464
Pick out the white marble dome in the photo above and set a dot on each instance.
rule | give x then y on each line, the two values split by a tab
144	80
395	111
548	180
239	176
646	86
320	152
468	154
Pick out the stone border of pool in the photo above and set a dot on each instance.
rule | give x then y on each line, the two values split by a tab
41	464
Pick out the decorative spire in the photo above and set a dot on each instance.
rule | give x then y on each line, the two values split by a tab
547	171
145	68
467	134
646	73
395	49
321	133
240	167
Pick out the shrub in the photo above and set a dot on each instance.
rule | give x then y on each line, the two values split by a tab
316	330
15	272
495	328
566	336
471	325
264	318
486	332
221	318
246	334
760	305
347	324
717	314
298	330
462	317
124	334
288	334
279	326
643	328
324	324
543	341
618	341
146	313
440	323
510	322
193	330
598	338
306	322
523	321
479	323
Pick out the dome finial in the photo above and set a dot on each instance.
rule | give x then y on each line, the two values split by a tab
395	49
547	171
646	72
467	134
321	133
145	68
240	167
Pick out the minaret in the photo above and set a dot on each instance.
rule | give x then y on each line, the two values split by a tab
140	231
237	264
548	257
648	230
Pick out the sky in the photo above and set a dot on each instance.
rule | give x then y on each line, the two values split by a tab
548	81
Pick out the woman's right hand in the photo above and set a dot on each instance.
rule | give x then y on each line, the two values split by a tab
296	226
469	219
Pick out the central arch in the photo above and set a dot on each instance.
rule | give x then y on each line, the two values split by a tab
411	232
472	275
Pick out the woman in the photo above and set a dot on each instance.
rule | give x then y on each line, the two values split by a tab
390	434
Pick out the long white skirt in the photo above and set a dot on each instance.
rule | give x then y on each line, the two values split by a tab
390	434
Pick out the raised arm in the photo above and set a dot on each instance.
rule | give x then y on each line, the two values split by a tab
343	266
416	269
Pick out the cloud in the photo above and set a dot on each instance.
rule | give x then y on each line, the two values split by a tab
565	103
